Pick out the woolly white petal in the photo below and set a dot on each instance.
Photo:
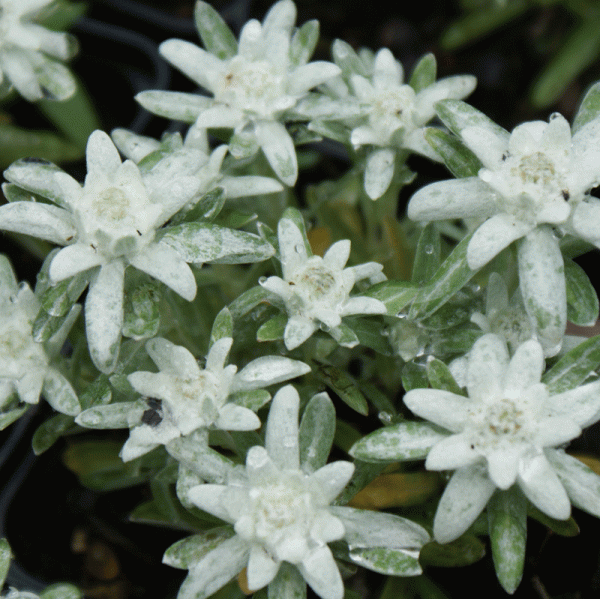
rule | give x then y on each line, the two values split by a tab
582	404
279	150
443	408
291	247
237	418
268	370
73	259
525	368
387	71
298	330
451	87
451	453
379	172
321	573
210	498
101	154
332	478
310	75
337	255
261	568
503	465
220	116
489	147
363	305
172	359
218	354
243	186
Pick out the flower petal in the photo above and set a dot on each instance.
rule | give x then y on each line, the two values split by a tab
332	478
73	259
582	404
172	359
297	330
321	573
443	408
525	369
379	172
38	220
486	369
451	453
279	150
237	418
101	154
262	568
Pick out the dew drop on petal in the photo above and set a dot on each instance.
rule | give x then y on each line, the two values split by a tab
385	418
298	248
262	280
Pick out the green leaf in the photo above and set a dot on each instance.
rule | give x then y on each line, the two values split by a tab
295	216
114	415
577	53
243	145
51	431
7	418
589	109
386	561
582	300
207	207
378	398
564	528
76	117
414	376
185	553
344	386
466	550
573	247
222	326
440	377
205	242
427	255
61	590
235	219
574	367
64	14
5	556
247	301
458	115
424	74
347	59
273	329
59	393
303	44
457	157
406	440
214	32
142	312
254	399
316	433
507	517
396	295
368	332
97	393
344	335
456	341
364	473
451	276
57	300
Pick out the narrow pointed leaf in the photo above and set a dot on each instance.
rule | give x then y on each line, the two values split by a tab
344	386
288	584
317	429
582	300
457	157
222	326
386	561
214	32
185	553
273	329
589	109
440	377
424	74
427	255
396	295
51	431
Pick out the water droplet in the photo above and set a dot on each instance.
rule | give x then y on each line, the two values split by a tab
13	299
428	249
385	418
555	115
299	248
262	280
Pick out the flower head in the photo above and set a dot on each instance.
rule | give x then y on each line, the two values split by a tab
26	367
316	290
255	83
502	433
25	51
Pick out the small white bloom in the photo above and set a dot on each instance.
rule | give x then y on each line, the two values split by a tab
25	48
26	367
253	90
502	433
315	290
183	397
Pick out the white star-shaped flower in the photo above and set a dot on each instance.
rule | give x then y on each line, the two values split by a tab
502	433
183	397
529	183
395	114
107	224
26	367
316	290
255	84
25	51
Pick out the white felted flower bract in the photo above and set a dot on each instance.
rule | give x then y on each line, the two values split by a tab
502	433
28	50
316	290
255	83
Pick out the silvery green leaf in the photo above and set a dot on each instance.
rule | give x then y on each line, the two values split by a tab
8	281
414	376
214	32
206	208
268	370
347	59
273	329
459	159
51	431
178	106
243	144
589	109
288	584
440	377
235	219
96	393
330	129
57	300
386	561
317	429
396	295
574	367
303	43
14	193
253	399
458	340
295	216
581	483
573	247
424	74
406	440
449	278
344	335
427	255
222	326
367	332
59	393
582	300
61	590
5	556
37	176
142	312
189	551
458	115
564	528
114	415
364	473
205	242
55	79
7	418
247	301
196	455
464	551
507	517
344	386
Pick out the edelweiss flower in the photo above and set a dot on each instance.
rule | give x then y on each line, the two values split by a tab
503	434
529	183
25	48
26	367
316	291
183	397
395	113
107	224
254	83
281	512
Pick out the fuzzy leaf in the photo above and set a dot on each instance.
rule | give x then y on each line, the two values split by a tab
253	399
589	109
344	386
424	74
7	418
414	376
273	329
214	32
427	255
51	431
222	326
185	553
466	550
582	300
440	377
114	415
396	295
317	429
304	41
458	115
288	584
5	555
457	157
57	300
386	561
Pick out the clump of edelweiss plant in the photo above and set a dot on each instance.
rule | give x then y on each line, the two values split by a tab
211	285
